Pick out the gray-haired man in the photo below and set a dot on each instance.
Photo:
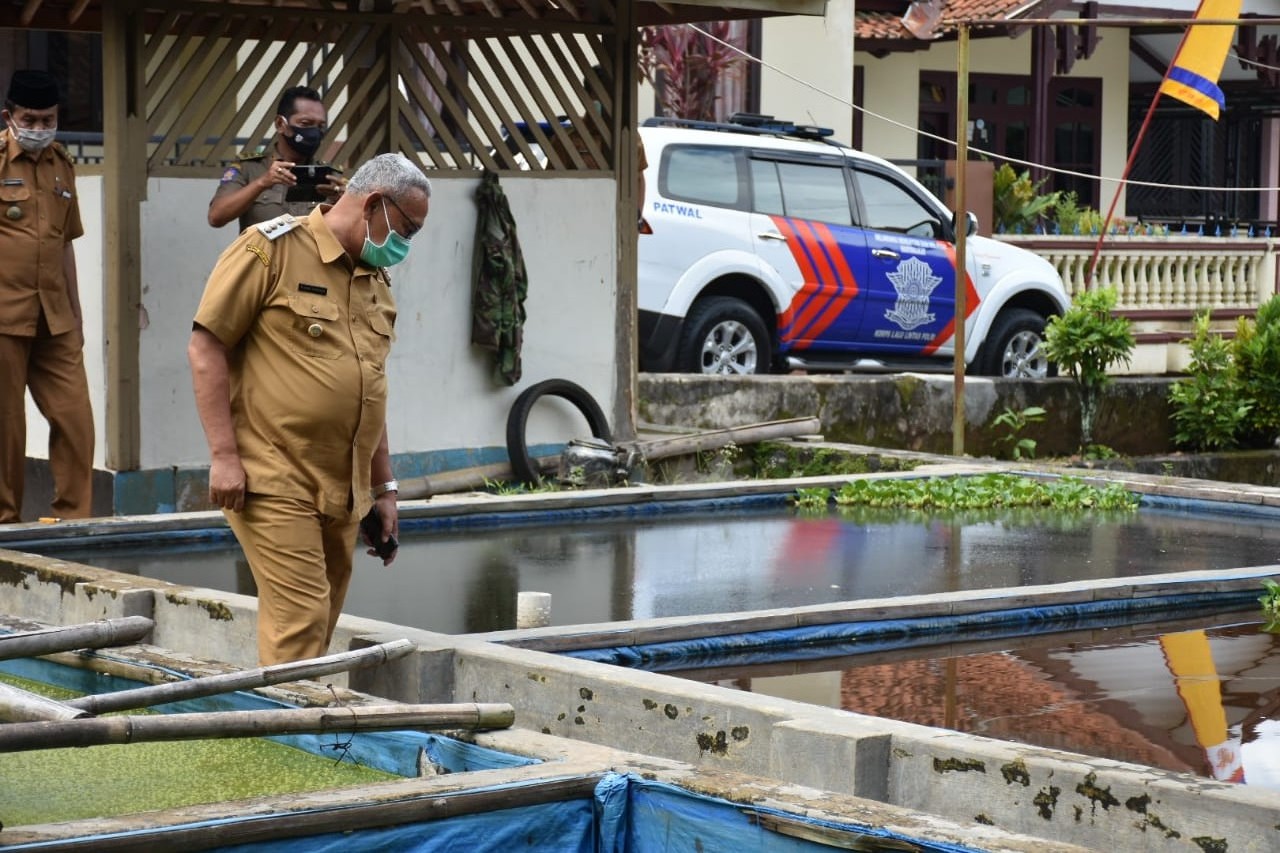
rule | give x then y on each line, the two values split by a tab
288	359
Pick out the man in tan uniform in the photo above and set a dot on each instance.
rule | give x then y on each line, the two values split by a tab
288	359
254	188
41	336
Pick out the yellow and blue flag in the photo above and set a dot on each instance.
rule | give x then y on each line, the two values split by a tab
1193	75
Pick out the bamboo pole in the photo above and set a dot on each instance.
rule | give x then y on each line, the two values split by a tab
143	697
661	448
23	706
140	728
89	635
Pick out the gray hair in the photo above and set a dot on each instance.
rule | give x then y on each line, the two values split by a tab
390	174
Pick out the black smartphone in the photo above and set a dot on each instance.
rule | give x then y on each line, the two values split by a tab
371	524
310	176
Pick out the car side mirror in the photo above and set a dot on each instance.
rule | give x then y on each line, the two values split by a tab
970	223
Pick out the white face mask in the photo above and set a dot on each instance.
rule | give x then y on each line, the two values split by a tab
33	140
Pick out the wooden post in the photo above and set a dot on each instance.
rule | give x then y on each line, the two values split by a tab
157	694
139	728
624	51
962	229
90	635
124	187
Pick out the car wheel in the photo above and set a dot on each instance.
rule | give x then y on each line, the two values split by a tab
1015	347
726	336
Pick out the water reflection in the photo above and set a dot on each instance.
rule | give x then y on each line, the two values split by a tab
466	580
1203	701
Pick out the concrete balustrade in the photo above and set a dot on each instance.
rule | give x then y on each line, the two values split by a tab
1161	282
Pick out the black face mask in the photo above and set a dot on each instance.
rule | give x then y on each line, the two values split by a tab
304	140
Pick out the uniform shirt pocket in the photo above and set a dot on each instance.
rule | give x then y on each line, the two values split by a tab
16	197
316	330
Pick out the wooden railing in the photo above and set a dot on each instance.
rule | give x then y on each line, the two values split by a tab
1175	274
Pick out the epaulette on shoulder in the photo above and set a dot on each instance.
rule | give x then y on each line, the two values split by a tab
253	153
282	224
61	151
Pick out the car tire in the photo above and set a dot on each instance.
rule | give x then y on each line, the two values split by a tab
723	335
522	464
1014	348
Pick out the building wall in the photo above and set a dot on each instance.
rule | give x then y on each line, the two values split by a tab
818	52
446	410
889	100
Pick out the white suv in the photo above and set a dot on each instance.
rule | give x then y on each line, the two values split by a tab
765	247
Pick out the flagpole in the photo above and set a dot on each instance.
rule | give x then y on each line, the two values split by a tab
1124	176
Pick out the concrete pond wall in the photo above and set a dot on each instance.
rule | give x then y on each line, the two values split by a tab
912	411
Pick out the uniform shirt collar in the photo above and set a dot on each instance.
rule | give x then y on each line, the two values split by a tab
330	249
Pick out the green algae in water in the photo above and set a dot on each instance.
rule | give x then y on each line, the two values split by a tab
52	785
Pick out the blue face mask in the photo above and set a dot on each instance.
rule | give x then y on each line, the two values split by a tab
390	251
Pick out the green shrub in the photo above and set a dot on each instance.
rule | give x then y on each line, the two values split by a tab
1209	406
1070	218
1014	422
1256	353
1086	341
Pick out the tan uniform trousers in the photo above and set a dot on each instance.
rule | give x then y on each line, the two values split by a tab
52	367
301	561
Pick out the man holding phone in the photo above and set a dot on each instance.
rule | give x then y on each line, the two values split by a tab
280	178
288	355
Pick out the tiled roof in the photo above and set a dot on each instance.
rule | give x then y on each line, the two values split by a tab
876	25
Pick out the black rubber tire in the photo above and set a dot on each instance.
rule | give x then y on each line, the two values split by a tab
518	421
723	313
1023	331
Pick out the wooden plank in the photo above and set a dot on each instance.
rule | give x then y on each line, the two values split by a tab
142	728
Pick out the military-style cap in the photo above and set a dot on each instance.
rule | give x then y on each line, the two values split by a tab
35	90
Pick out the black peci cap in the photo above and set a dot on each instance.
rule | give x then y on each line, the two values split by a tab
35	90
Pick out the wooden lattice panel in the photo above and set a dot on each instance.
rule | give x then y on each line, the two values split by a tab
445	82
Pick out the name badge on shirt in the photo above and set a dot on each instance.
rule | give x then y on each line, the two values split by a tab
312	288
12	182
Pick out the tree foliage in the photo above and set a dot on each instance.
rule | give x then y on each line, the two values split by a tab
684	66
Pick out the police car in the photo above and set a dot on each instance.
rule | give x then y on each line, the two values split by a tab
765	247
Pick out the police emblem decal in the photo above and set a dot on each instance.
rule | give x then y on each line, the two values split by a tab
914	280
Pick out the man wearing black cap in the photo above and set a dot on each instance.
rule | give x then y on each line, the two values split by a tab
41	338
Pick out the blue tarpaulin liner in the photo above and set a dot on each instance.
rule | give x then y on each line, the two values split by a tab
627	814
842	639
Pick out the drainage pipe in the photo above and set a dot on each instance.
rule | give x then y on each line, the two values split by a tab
468	479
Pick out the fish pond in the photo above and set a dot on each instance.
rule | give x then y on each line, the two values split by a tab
1196	696
462	574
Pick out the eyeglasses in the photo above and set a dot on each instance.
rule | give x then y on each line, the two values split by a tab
415	227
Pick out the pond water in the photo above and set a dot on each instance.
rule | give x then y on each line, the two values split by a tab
1203	701
458	579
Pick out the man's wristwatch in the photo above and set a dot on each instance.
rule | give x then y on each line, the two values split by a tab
389	486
